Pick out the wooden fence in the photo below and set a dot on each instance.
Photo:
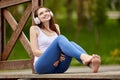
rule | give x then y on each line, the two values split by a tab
17	34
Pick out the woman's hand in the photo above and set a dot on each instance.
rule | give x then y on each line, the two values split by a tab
56	63
61	58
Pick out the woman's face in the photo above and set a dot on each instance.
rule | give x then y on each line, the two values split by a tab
44	14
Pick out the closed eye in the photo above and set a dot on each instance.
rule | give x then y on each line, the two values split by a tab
46	10
41	13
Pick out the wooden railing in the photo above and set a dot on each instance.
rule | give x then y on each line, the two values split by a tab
18	34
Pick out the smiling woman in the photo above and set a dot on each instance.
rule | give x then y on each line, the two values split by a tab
53	52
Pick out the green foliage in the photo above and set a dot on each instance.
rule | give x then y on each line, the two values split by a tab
18	52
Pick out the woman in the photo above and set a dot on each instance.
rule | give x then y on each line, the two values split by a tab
53	52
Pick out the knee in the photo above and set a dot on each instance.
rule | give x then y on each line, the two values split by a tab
60	38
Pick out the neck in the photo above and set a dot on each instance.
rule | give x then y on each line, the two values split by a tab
46	25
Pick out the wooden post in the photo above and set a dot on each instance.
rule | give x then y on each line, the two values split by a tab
41	2
0	34
36	4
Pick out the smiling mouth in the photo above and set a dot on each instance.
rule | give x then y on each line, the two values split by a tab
46	16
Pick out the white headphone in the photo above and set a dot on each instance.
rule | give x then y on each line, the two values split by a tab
37	20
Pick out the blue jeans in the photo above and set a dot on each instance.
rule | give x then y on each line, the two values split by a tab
45	62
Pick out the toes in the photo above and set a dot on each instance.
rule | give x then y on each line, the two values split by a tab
96	56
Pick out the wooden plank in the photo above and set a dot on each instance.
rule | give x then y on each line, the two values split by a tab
0	34
7	3
73	73
4	32
40	2
21	64
76	76
23	39
16	33
36	4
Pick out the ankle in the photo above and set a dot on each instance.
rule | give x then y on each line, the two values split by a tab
85	58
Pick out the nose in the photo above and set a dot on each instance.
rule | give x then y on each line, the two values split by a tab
45	14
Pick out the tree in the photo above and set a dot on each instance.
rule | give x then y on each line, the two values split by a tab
80	15
100	17
89	10
69	13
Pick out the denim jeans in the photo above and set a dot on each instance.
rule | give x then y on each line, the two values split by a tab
44	64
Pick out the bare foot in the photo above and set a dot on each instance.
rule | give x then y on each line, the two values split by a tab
95	63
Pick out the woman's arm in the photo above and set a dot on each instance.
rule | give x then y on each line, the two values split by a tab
33	41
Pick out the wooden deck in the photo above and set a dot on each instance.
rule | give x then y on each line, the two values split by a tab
111	72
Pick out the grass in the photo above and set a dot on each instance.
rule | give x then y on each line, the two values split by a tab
108	47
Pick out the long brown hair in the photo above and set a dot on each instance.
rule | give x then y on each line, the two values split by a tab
51	22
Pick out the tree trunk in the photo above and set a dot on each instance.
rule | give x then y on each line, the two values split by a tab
69	14
90	23
80	14
97	42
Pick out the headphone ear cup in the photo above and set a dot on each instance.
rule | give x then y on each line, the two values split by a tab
51	13
36	20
